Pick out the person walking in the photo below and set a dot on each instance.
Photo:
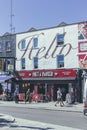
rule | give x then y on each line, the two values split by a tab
16	95
28	96
59	98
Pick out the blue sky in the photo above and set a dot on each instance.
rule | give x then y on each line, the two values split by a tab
40	13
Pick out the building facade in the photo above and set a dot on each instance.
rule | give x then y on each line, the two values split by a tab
46	59
7	61
51	58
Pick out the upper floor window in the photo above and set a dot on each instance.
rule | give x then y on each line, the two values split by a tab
60	61
60	39
23	44
23	63
8	46
35	62
0	47
35	42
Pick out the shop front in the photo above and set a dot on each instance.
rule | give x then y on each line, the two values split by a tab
43	84
6	87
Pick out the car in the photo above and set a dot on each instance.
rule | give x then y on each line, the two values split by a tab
85	98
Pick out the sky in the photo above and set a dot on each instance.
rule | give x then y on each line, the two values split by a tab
40	14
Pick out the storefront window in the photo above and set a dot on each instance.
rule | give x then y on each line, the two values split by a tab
41	89
23	85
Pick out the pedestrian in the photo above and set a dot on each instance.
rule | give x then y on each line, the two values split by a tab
68	98
59	98
16	95
28	96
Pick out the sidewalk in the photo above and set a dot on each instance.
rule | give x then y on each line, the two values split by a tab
10	123
77	107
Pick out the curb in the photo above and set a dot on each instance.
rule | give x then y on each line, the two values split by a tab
51	109
67	108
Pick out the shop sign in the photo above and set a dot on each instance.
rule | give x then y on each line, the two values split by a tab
82	45
48	73
44	52
42	74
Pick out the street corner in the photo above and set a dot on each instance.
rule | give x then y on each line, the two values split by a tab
6	118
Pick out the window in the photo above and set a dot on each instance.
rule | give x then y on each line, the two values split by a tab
35	62
23	43
8	46
0	47
60	39
60	61
35	42
23	63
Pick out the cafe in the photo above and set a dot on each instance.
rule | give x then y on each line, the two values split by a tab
44	83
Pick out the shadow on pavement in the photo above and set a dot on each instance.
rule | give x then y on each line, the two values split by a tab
2	120
6	123
27	127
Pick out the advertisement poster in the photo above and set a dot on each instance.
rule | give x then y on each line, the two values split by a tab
82	31
82	45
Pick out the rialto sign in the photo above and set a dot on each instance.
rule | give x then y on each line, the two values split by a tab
45	51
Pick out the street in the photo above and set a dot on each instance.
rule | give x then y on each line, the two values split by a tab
63	118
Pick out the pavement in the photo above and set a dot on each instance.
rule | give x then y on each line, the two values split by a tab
7	122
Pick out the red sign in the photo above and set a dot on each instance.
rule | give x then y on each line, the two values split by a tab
83	61
82	46
65	73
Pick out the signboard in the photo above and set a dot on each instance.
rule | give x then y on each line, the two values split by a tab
82	45
47	74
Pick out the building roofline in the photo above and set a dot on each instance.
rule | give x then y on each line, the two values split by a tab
66	24
36	30
7	35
